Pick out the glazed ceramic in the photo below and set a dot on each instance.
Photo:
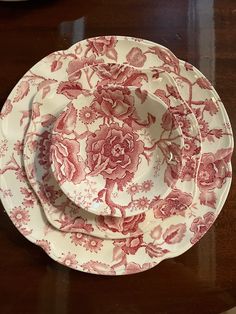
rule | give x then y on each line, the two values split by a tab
181	226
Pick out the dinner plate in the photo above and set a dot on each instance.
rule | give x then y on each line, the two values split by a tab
116	257
65	216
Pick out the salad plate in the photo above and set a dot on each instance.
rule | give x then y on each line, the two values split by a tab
174	235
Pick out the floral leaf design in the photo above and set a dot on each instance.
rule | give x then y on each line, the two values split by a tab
98	268
22	91
112	54
71	89
203	83
136	57
118	254
154	250
210	106
56	65
162	95
7	108
200	225
175	233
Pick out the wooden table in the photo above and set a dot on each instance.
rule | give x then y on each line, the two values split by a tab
203	280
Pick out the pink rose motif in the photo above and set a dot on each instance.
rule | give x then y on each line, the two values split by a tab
175	203
64	156
75	66
44	147
120	75
113	151
136	57
103	45
124	225
114	102
200	225
213	171
66	121
129	245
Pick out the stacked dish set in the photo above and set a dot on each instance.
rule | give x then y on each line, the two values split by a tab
115	155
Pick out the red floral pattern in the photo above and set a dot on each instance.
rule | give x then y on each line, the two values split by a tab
216	185
175	233
155	251
114	102
136	57
124	225
87	115
93	244
213	170
212	174
119	75
19	216
71	89
66	121
113	151
129	245
167	57
200	225
64	156
175	203
75	66
104	45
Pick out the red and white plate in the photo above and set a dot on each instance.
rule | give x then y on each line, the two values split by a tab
191	204
61	213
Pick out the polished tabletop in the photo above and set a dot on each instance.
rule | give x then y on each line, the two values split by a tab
202	280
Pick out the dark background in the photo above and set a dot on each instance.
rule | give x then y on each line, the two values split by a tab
203	280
